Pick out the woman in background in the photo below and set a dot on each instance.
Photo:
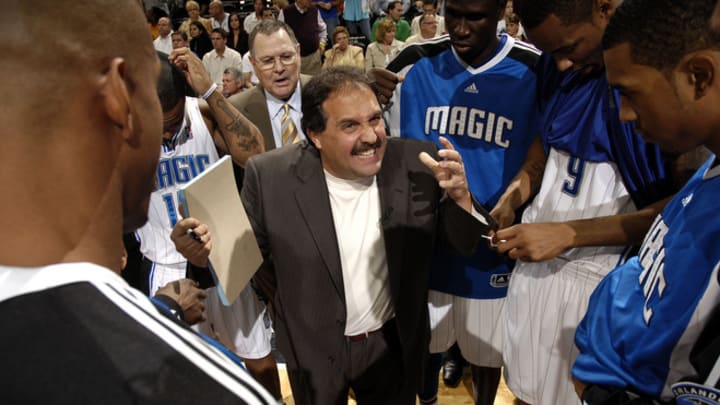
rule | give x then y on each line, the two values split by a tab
342	53
385	47
200	39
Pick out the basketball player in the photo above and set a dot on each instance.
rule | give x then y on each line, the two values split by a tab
593	181
191	133
460	87
78	168
651	328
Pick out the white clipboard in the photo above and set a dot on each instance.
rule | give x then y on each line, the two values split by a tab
213	199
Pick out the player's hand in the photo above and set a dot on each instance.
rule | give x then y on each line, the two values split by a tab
195	73
503	214
195	245
579	386
385	83
535	242
188	296
450	173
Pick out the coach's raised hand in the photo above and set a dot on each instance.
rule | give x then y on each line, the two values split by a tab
450	173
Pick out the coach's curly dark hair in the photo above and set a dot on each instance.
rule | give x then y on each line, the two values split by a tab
318	89
533	12
661	32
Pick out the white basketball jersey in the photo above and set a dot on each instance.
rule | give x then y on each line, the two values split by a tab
573	188
192	150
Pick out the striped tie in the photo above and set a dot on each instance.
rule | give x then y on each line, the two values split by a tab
289	132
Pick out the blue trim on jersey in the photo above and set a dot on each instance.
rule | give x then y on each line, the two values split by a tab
472	107
580	116
639	312
151	274
162	307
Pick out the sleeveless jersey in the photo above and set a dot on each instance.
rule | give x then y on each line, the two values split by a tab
645	316
190	151
490	114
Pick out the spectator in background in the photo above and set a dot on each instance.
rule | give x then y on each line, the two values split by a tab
311	33
502	24
252	19
394	12
179	40
384	49
232	81
342	53
329	13
429	7
428	29
220	19
512	25
221	57
237	37
163	42
193	11
200	42
357	18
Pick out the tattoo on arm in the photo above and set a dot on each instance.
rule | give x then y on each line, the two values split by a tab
176	287
245	139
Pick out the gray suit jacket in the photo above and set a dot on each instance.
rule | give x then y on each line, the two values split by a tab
287	201
252	104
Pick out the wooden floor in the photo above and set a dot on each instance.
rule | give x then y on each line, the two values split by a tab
462	395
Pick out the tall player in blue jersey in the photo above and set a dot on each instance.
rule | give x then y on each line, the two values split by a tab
652	320
595	186
477	90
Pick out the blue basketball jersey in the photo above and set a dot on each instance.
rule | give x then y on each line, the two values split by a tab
646	315
490	114
580	116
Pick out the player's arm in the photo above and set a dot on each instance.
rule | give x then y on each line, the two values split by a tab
231	131
544	241
525	185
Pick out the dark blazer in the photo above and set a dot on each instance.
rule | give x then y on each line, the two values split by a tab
287	201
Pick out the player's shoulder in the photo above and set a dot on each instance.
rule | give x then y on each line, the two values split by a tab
411	54
524	53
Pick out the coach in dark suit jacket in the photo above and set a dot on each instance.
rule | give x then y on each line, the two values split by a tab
347	225
287	197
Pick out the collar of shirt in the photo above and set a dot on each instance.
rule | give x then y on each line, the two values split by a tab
300	10
275	105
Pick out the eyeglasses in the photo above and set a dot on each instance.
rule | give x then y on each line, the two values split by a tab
268	62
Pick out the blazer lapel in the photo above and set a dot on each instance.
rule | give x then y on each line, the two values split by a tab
314	205
394	199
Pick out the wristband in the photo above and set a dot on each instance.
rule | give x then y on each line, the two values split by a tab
210	91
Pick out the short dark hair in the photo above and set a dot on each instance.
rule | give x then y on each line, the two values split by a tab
319	88
533	12
661	32
172	86
182	34
220	31
391	5
269	27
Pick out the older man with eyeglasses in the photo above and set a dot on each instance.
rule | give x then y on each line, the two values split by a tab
274	105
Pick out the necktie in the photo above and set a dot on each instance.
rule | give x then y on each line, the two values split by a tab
289	132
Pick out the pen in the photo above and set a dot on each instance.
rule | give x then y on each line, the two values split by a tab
193	235
491	239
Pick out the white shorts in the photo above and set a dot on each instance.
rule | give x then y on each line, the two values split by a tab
241	326
545	303
161	274
475	324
